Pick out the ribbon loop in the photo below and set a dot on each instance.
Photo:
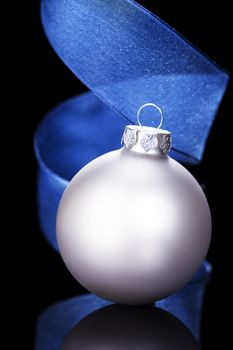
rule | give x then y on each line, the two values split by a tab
127	56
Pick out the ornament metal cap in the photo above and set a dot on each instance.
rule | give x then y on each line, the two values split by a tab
147	139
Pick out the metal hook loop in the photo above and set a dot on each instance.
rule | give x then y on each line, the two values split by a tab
152	105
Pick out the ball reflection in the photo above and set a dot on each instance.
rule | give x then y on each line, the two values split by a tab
130	327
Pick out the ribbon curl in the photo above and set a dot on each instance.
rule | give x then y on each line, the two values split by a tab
127	56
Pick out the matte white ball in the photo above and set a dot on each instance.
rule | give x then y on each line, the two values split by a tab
133	228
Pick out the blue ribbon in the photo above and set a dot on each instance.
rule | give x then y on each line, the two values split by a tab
127	56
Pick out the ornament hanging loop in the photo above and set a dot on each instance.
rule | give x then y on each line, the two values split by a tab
148	105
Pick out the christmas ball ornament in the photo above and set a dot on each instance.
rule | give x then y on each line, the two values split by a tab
133	226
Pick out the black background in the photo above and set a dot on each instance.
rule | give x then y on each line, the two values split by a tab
46	278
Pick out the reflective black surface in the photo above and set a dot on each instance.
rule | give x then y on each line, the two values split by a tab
119	327
89	322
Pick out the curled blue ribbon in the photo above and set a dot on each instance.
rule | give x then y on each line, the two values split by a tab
127	56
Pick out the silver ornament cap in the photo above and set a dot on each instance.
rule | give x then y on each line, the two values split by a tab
144	139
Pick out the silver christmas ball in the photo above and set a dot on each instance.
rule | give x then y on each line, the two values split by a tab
133	226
